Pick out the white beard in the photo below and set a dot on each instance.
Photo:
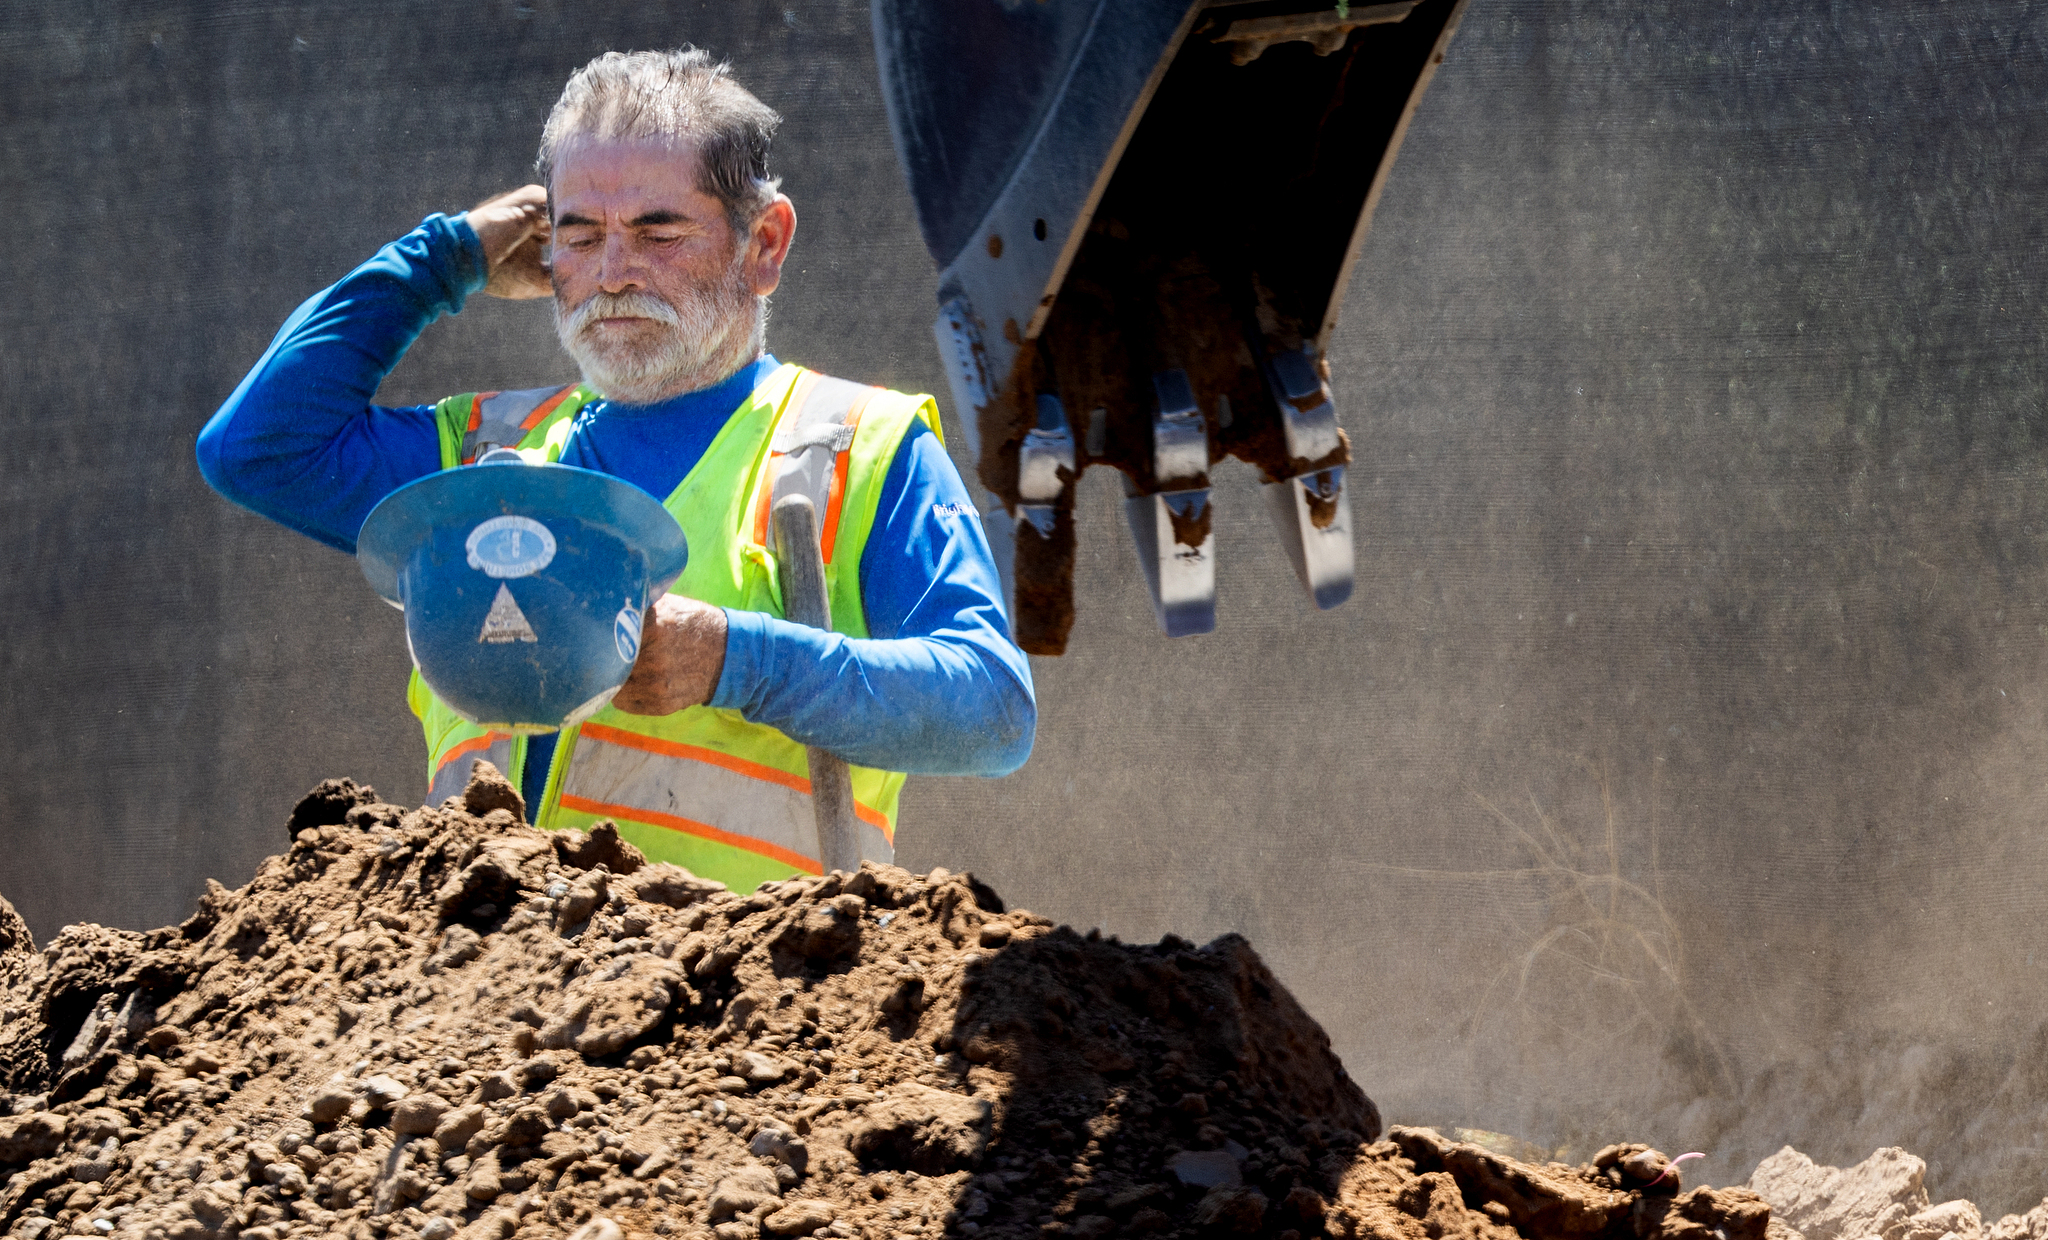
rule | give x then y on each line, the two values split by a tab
716	330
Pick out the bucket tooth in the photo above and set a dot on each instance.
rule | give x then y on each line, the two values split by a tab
1048	448
1180	436
1309	509
1307	416
1171	525
1322	553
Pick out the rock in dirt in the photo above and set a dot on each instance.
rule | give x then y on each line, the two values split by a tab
2033	1225
1959	1219
26	1138
441	1023
917	1128
1517	1198
800	1218
1208	1168
1884	1197
1837	1203
328	805
17	945
22	1054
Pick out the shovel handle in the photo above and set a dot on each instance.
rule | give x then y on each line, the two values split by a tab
805	602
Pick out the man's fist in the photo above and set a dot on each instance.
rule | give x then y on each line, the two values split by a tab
682	653
514	229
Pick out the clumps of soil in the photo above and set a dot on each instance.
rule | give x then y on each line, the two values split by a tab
441	1023
20	1040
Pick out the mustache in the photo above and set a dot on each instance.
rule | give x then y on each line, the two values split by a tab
618	305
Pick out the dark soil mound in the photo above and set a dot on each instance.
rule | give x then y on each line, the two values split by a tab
425	1022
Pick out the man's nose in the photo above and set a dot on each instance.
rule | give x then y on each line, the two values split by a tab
619	266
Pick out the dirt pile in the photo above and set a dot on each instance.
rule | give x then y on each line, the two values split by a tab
1884	1197
441	1023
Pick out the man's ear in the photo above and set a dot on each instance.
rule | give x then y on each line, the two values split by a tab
768	246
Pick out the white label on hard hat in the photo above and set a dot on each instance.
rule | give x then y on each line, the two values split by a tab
626	632
510	547
506	623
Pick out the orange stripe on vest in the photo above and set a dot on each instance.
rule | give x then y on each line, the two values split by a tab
799	392
829	533
546	407
697	753
704	831
472	745
738	766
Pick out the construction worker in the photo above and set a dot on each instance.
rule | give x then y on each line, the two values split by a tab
660	235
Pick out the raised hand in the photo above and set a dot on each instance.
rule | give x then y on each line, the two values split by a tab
514	229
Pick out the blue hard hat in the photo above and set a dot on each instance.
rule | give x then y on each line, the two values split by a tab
523	585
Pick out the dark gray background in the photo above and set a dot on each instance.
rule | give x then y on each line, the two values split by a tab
1675	773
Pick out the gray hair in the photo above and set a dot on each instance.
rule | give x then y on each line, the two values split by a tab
672	96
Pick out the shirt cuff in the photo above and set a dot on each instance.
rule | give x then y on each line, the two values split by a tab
746	658
470	266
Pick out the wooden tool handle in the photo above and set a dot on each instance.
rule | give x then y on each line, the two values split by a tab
805	602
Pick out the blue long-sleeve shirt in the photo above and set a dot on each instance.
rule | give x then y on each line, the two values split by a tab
939	689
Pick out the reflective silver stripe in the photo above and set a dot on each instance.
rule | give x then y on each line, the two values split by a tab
809	442
499	419
453	777
625	780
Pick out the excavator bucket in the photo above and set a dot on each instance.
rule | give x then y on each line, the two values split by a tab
1144	213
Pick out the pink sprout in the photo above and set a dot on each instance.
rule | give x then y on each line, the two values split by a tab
1673	1166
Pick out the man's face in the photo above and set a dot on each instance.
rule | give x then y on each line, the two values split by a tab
654	295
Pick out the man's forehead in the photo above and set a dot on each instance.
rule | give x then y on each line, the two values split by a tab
628	174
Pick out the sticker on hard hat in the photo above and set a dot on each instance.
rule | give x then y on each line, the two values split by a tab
626	631
510	547
506	623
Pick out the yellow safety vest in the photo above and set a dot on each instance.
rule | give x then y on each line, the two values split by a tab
704	788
